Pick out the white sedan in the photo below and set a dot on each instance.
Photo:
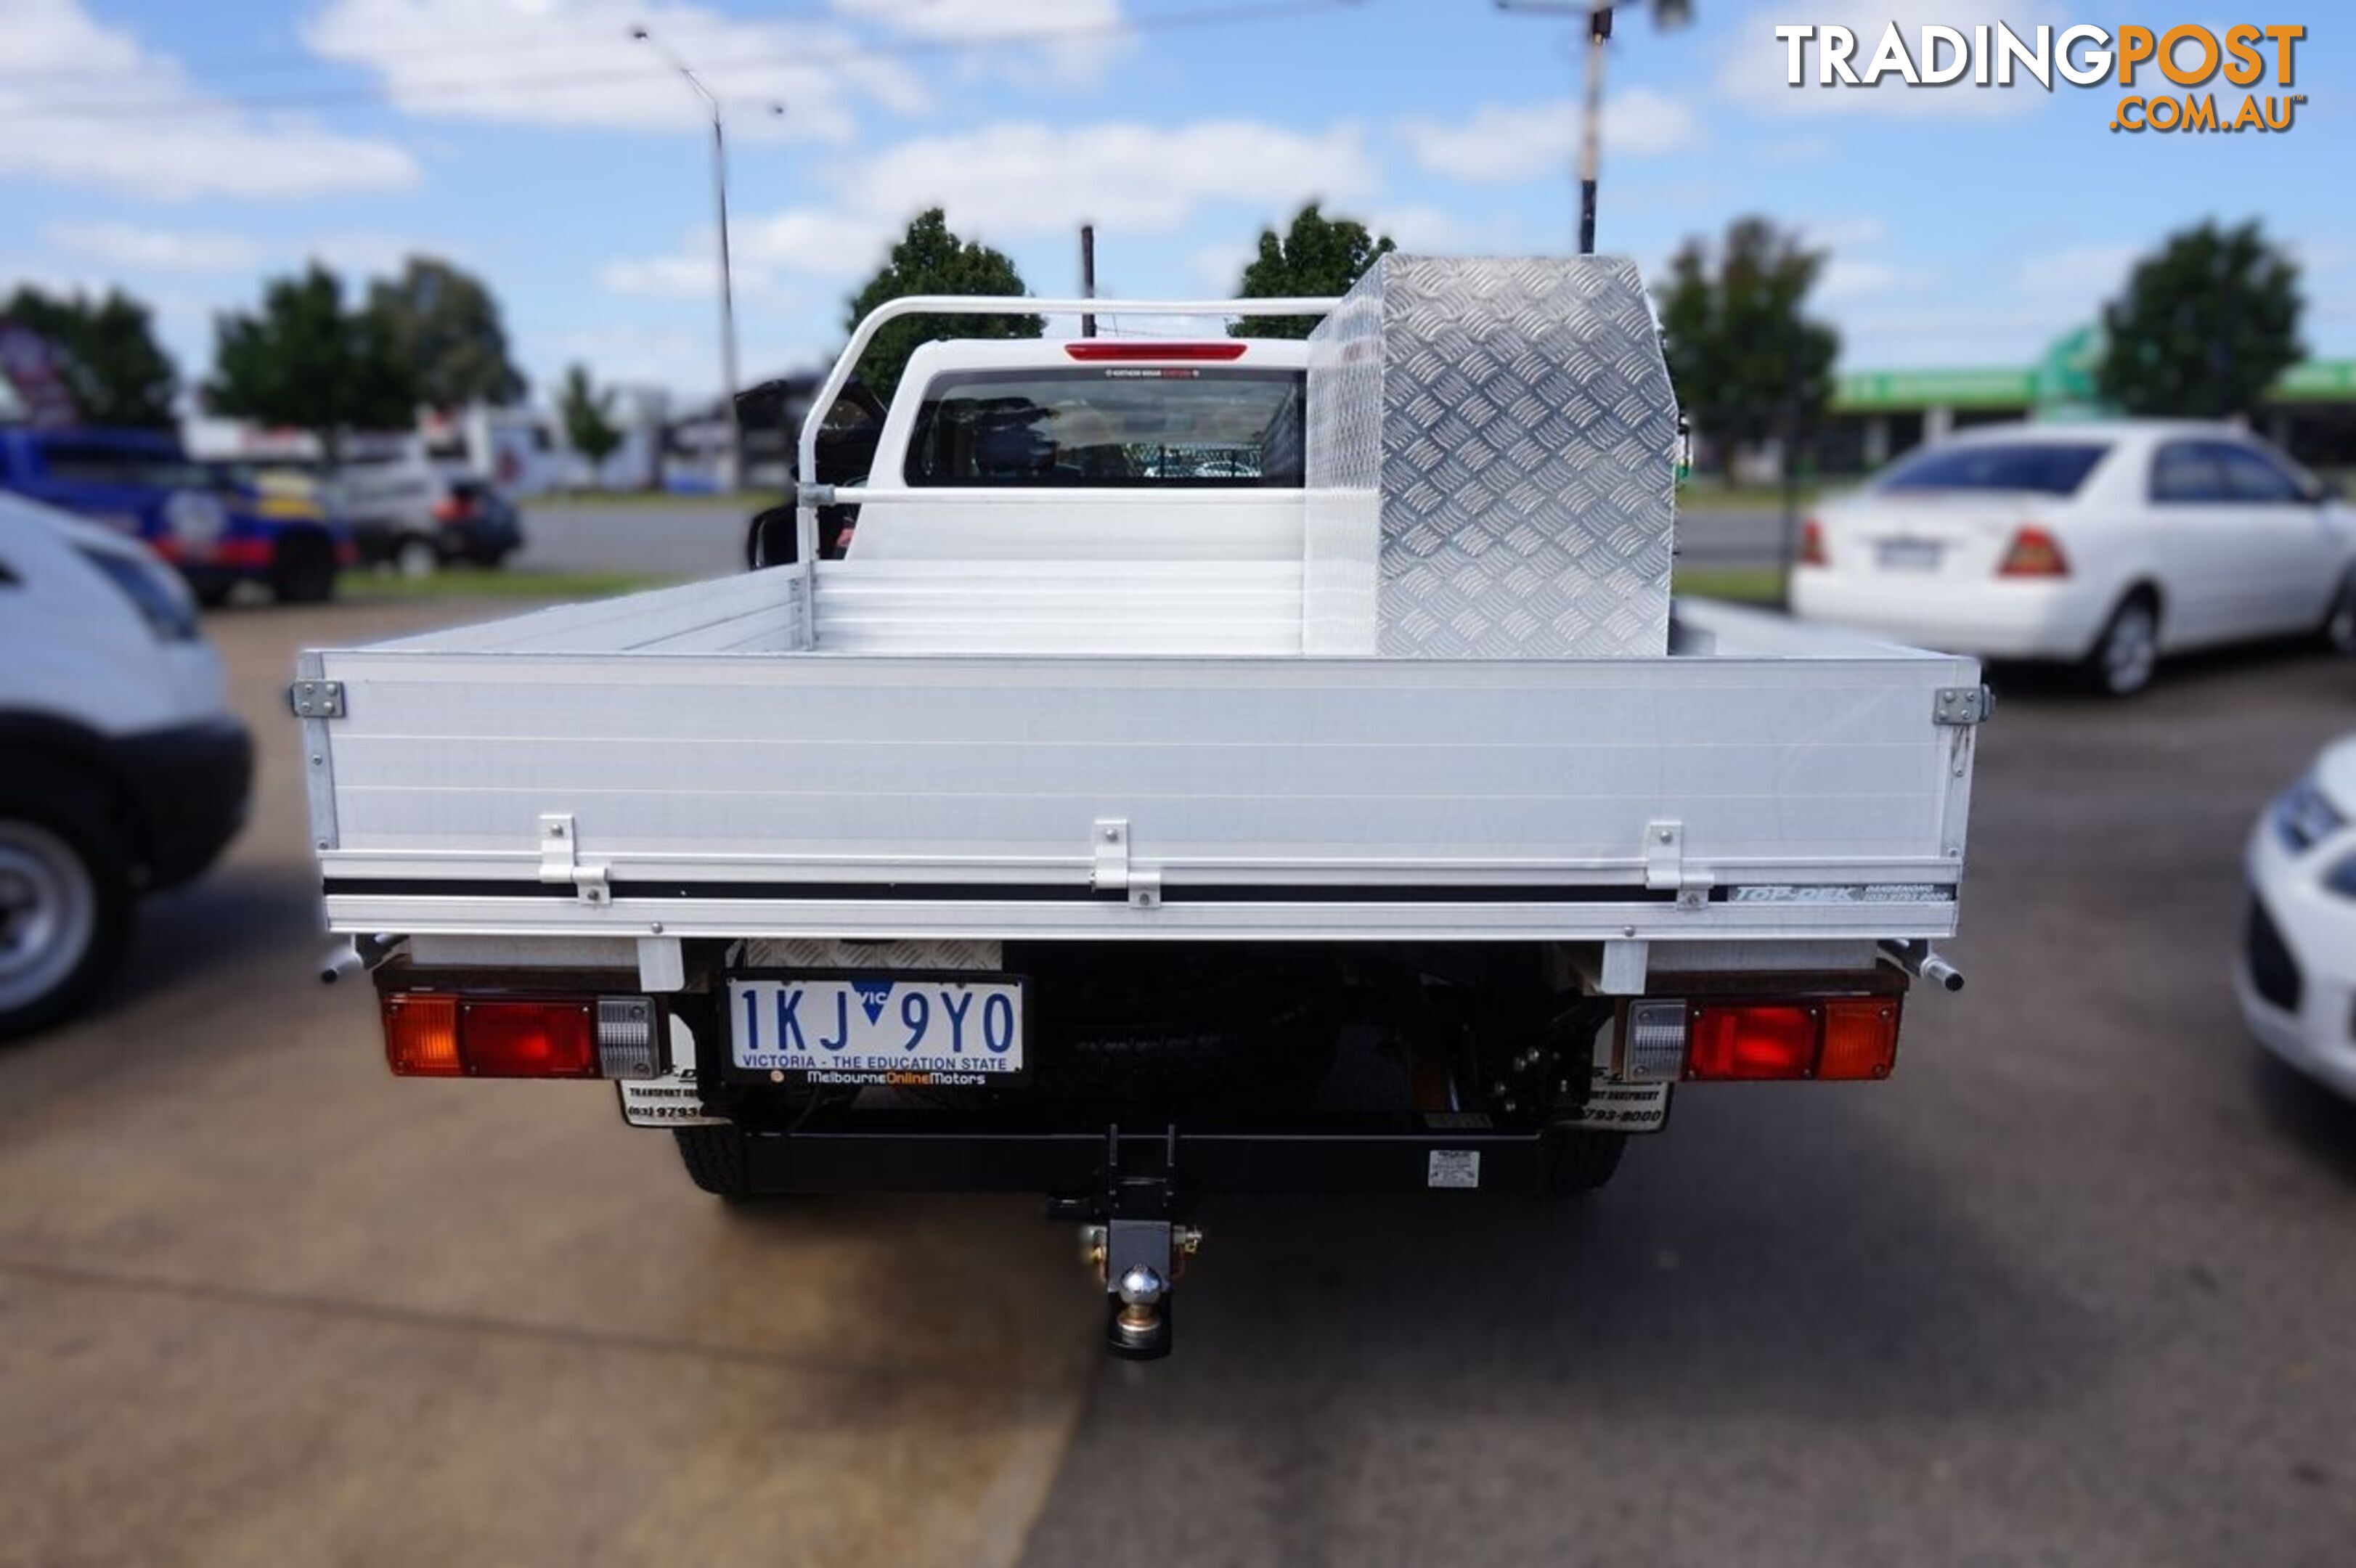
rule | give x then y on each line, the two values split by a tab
2104	544
2297	977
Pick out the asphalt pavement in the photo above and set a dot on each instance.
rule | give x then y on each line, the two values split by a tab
662	535
2074	1288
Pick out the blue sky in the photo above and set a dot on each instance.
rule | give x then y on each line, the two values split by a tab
186	151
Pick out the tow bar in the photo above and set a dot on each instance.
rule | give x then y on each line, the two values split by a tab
1130	1235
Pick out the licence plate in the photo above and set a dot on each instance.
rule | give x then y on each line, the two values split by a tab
1908	555
917	1030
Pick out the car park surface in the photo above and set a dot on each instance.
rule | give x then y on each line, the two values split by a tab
2071	1287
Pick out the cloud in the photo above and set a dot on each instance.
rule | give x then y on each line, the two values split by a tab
1500	143
86	104
1013	181
1753	70
2089	271
1849	278
1095	37
665	277
1030	178
1853	233
129	245
532	62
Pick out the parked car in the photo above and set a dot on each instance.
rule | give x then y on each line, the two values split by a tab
218	530
474	523
2296	977
416	520
121	768
2106	545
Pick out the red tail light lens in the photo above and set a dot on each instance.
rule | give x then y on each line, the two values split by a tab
1838	1038
1860	1038
1098	351
420	1037
434	1036
1751	1039
453	509
2033	553
529	1039
1812	544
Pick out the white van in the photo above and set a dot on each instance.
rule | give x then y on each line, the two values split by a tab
122	769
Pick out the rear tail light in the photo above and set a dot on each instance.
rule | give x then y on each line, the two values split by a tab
1097	350
1752	1040
439	1035
2033	552
1737	1039
1860	1038
1812	544
454	508
420	1037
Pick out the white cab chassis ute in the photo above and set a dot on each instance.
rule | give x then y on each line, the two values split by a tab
1191	767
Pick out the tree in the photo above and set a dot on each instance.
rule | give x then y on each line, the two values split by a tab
444	322
1317	256
930	259
1747	362
588	414
307	362
2207	323
118	374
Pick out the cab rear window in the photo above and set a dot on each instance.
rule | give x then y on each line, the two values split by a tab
1126	426
2038	468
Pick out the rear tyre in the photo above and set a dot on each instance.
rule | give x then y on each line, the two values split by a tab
2338	633
304	570
714	1158
65	904
1577	1161
2127	653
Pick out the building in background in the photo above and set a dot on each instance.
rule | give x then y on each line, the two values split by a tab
1878	414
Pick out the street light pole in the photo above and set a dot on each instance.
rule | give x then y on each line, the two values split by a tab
732	457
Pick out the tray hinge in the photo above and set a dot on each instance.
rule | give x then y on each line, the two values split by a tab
1665	865
560	859
1961	704
1110	871
317	699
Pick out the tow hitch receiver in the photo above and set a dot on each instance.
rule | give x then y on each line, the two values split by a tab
1130	1234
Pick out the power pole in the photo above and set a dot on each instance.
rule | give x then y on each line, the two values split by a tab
1666	13
1087	275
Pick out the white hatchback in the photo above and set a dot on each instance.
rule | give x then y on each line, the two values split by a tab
2107	544
2296	977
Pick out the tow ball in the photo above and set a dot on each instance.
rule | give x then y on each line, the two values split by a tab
1131	1236
1155	1254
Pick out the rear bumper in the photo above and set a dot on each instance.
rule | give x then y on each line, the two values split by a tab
192	784
1998	619
908	1157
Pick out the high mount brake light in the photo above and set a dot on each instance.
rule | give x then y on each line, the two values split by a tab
1098	351
432	1034
2033	552
1761	1039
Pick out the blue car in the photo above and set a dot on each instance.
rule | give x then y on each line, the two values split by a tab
218	531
